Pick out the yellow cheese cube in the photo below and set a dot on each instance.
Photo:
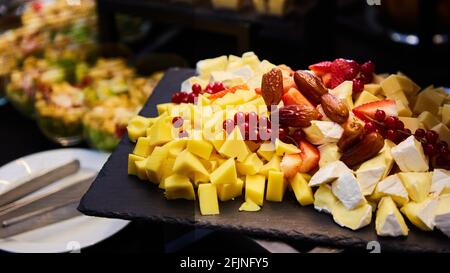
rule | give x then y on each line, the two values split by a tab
205	67
203	101
228	99
411	123
409	87
234	146
252	165
365	97
302	191
446	115
137	127
403	109
272	165
417	184
200	147
282	148
217	139
428	100
428	120
398	95
443	131
131	163
175	147
179	187
200	178
164	107
266	151
395	83
187	163
254	188
140	169
230	191
276	186
154	163
249	206
324	199
373	88
143	147
161	132
166	169
246	95
344	92
225	173
207	197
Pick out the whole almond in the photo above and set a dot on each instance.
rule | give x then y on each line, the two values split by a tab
353	132
297	115
310	85
368	147
334	108
272	86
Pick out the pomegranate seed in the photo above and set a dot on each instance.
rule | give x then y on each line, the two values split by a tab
431	136
177	97
358	86
183	134
391	122
184	97
177	122
298	135
399	125
420	133
191	97
368	68
444	151
217	87
239	118
380	115
429	149
228	125
392	135
196	88
282	133
370	127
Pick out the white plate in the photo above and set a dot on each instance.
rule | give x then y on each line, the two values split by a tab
69	235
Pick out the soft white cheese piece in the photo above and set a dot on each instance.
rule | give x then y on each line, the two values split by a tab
186	86
439	180
321	132
409	156
329	173
353	219
393	186
245	72
442	215
324	199
370	173
328	153
205	67
427	213
346	189
389	221
227	78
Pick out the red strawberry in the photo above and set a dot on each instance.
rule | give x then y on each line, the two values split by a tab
310	156
37	6
369	109
294	97
342	70
290	165
321	68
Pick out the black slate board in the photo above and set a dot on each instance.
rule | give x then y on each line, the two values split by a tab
114	194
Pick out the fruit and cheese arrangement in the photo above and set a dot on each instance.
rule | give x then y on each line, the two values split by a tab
360	146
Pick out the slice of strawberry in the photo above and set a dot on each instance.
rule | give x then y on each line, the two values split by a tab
368	109
294	97
310	156
290	165
321	68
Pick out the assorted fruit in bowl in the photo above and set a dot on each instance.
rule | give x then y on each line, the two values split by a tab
105	124
349	142
59	112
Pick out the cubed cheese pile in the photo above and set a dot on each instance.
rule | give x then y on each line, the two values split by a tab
206	165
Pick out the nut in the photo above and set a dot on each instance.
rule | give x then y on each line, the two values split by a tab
297	115
353	132
334	108
367	148
272	86
310	85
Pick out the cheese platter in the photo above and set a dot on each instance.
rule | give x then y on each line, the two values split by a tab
250	146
